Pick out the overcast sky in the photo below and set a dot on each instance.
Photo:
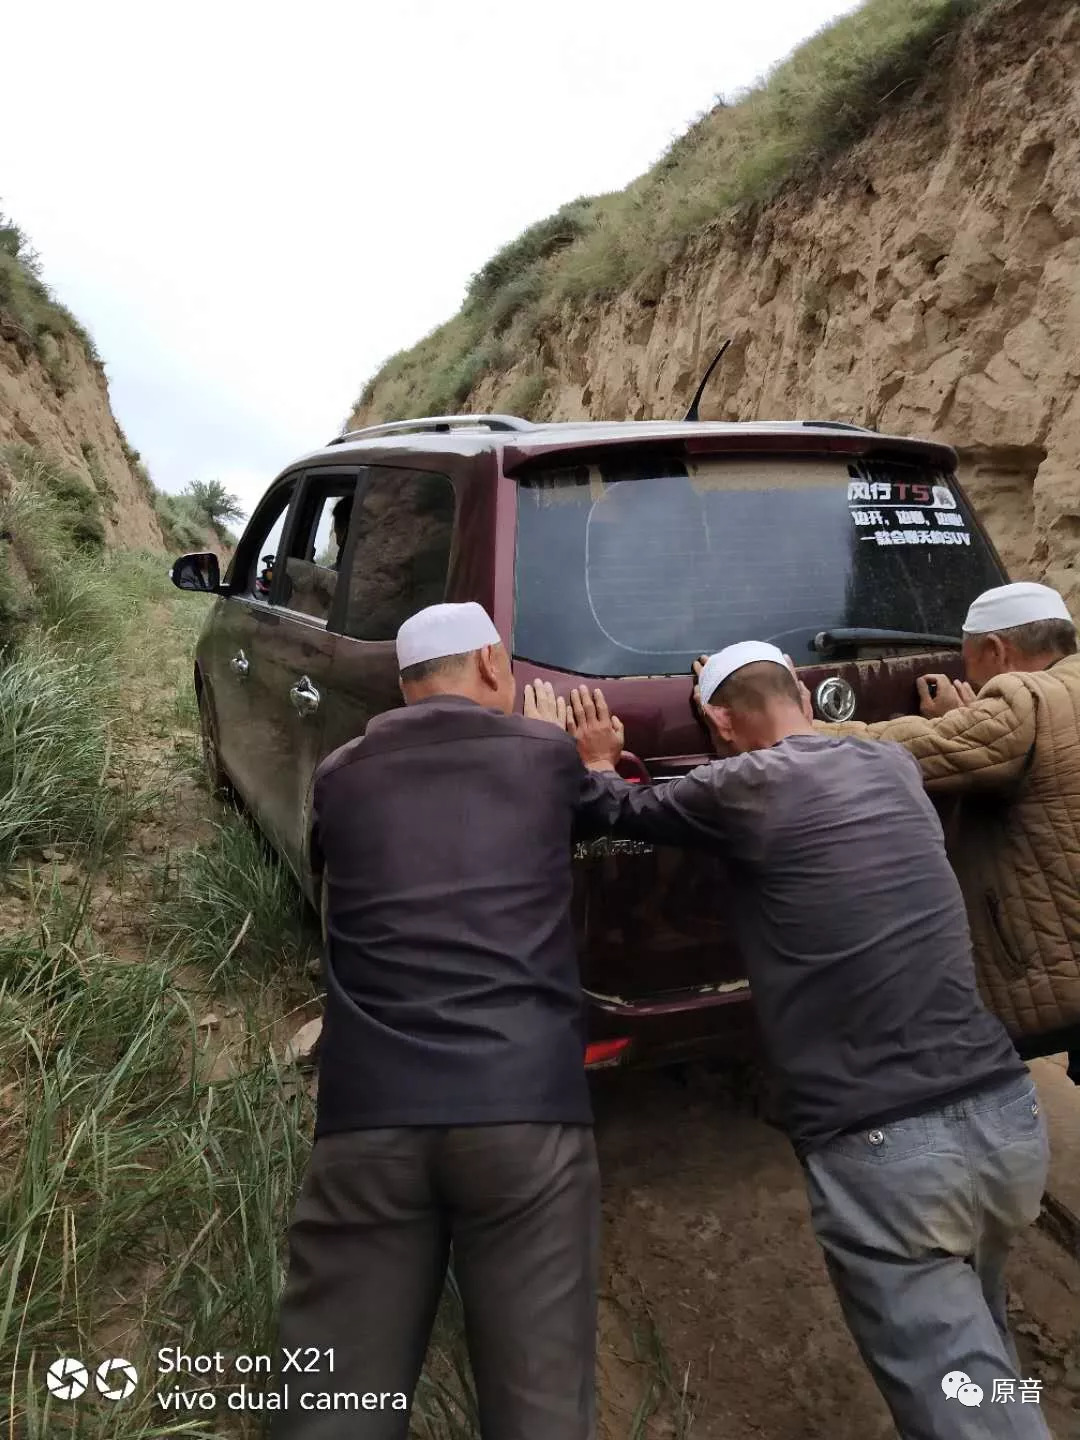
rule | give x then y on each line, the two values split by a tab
251	206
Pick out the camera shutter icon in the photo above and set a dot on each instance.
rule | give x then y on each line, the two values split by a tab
67	1378
116	1379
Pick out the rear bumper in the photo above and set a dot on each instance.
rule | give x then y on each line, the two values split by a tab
665	1029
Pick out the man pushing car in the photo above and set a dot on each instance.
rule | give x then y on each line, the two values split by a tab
1007	741
916	1123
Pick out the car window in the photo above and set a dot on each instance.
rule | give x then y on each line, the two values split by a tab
310	569
252	570
635	568
398	555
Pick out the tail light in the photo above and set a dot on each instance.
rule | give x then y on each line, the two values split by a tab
605	1052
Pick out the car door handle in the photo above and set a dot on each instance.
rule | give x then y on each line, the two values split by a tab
304	696
239	664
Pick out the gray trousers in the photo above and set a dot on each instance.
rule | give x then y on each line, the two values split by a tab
916	1220
368	1252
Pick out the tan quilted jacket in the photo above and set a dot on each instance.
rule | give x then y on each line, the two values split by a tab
1014	755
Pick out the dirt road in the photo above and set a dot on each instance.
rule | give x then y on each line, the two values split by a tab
718	1322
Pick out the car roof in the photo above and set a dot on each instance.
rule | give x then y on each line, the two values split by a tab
469	435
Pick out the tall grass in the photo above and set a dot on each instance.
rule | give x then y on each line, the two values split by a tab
64	708
145	1188
185	523
234	910
140	1204
140	1207
51	560
55	748
828	93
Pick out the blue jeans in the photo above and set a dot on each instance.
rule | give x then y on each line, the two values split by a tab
916	1219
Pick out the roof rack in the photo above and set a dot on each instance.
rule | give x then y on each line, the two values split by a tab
835	425
439	424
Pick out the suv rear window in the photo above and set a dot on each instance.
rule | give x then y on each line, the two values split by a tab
637	568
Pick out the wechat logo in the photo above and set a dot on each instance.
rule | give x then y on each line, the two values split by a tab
958	1386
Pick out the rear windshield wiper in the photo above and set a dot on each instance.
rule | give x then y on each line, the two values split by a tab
827	642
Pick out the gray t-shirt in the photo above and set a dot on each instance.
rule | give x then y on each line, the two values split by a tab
850	919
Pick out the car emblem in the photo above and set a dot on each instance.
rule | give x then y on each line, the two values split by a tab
835	699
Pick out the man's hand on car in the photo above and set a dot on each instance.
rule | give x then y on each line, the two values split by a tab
598	733
938	695
541	703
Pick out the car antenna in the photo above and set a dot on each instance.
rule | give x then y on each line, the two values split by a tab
692	413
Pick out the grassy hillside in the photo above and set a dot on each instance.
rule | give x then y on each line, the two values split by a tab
197	518
47	357
828	93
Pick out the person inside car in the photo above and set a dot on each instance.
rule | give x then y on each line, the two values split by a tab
916	1123
453	1106
1007	741
341	515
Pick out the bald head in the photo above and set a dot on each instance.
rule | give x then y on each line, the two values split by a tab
755	687
755	707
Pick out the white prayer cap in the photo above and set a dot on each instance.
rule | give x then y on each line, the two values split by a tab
443	630
1023	603
725	662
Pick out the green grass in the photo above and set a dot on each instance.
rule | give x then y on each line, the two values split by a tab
197	517
234	910
66	610
831	91
136	466
99	478
52	562
526	394
143	1201
55	749
140	1206
666	1391
183	527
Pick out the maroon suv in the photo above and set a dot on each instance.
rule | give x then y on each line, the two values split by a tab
608	552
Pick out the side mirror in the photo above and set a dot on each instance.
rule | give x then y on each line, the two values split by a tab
197	572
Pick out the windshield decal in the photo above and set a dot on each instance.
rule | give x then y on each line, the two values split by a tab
895	493
894	520
919	537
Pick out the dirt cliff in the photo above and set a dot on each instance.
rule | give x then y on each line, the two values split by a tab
926	280
54	396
